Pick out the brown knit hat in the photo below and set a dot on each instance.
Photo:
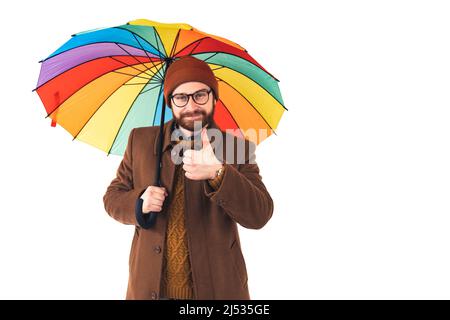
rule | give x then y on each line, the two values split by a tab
188	69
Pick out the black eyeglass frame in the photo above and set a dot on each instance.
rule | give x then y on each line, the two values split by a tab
208	91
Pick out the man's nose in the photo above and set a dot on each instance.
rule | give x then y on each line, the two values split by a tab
191	105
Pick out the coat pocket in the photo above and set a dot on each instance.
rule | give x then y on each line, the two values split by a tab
239	263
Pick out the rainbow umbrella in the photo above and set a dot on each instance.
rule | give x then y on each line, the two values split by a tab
103	83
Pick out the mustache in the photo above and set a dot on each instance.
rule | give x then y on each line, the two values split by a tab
194	113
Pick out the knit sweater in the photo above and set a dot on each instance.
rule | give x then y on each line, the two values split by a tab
177	282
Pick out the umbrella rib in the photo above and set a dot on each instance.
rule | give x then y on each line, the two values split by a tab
129	74
248	102
232	117
253	82
133	66
134	84
218	68
71	68
189	45
175	43
84	45
87	83
134	33
231	54
102	104
222	66
159	85
145	52
164	54
134	58
121	124
196	46
155	32
216	53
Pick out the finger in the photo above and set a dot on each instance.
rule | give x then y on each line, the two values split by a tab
165	191
156	202
192	176
154	208
188	153
150	207
188	167
159	197
187	160
158	190
155	188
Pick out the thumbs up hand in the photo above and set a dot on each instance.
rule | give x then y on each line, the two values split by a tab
201	164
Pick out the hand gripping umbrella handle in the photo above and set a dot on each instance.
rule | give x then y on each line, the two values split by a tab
145	220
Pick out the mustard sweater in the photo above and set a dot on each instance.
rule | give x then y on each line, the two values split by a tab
176	279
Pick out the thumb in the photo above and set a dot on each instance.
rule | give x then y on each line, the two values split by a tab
205	138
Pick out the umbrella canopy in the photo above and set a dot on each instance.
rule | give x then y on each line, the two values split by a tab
103	83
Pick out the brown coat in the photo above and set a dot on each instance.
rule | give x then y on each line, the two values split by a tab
218	267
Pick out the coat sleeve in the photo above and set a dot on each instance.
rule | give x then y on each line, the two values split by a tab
242	194
120	197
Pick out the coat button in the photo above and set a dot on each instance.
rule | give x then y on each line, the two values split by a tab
154	295
157	249
220	202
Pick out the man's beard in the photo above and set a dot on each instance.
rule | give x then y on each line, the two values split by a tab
189	123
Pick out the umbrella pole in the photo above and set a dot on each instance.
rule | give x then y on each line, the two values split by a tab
149	219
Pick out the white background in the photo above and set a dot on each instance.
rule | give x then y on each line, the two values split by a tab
359	171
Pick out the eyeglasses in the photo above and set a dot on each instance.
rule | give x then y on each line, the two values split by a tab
200	97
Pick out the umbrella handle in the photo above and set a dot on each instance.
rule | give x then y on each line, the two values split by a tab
146	220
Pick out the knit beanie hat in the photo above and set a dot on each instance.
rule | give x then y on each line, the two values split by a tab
187	69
